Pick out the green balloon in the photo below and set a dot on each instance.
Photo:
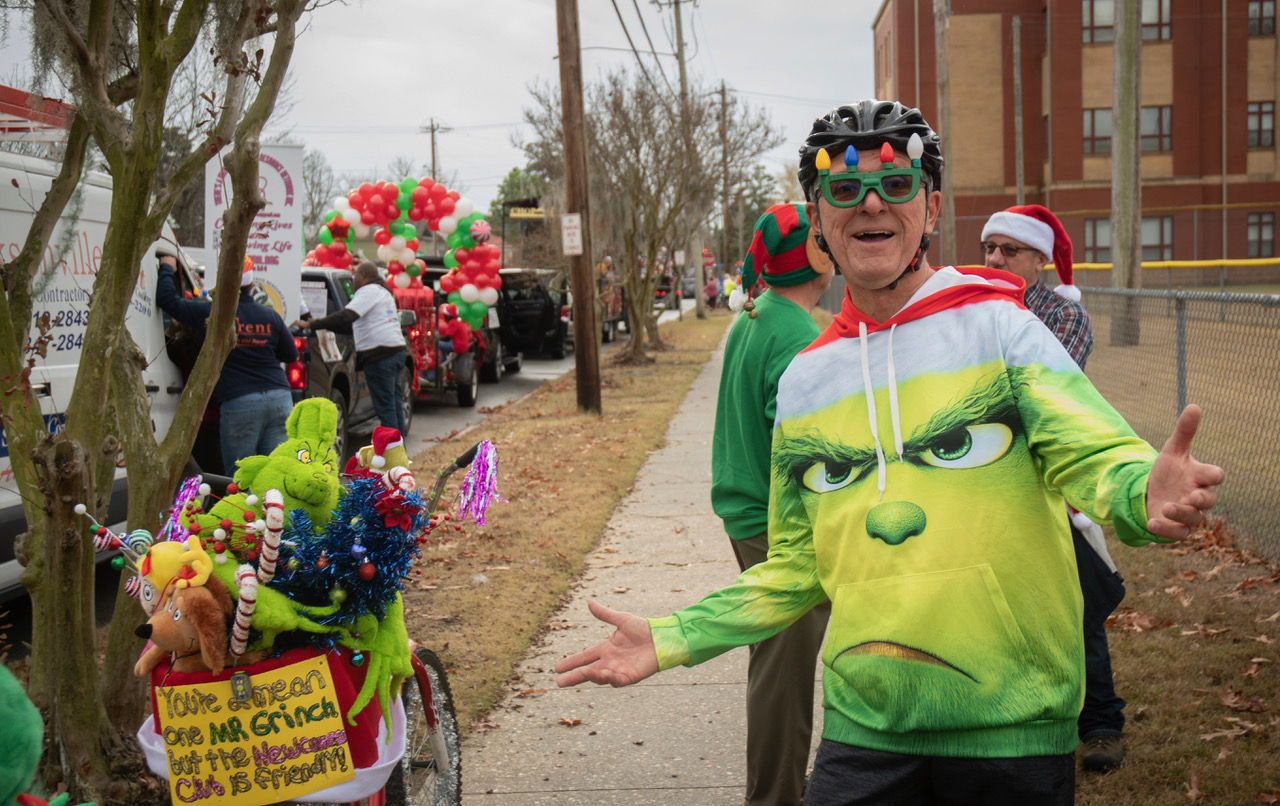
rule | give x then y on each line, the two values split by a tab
475	310
413	269
329	216
326	237
404	201
456	298
407	230
408	184
450	262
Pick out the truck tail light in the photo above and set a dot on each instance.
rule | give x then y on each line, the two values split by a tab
296	372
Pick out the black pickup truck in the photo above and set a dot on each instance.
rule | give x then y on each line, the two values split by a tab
330	361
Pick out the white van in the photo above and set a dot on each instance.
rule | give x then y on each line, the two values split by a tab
62	290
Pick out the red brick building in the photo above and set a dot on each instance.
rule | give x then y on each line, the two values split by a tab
1066	95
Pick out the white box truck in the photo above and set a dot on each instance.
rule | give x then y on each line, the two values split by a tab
62	291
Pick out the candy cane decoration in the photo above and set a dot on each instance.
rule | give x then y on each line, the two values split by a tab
273	502
247	582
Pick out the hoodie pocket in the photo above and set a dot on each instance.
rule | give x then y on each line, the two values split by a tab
929	652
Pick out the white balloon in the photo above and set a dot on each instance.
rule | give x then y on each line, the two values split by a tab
385	254
352	216
362	229
397	242
489	296
469	293
341	204
463	208
406	256
401	280
448	224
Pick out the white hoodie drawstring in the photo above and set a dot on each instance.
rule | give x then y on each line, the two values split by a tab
893	399
871	404
871	407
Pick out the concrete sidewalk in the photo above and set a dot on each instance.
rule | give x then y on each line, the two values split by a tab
677	738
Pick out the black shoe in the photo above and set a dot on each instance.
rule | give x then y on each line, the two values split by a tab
1102	753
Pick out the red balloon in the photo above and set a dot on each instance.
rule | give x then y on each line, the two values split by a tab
438	192
338	248
416	282
447	205
415	213
447	285
366	190
324	255
426	182
455	195
345	260
394	267
382	237
368	218
462	255
376	202
420	195
356	199
393	212
412	243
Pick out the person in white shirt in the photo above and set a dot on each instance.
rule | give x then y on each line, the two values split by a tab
380	346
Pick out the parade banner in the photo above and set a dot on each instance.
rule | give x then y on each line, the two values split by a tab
276	738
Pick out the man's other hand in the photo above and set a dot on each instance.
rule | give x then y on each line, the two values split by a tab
626	657
1180	489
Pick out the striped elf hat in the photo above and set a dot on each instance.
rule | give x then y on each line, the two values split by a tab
782	252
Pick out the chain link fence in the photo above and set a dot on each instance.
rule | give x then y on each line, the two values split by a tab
1157	350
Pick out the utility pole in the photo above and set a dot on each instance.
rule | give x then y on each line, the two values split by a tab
433	128
941	19
725	253
1017	108
1126	174
585	329
695	246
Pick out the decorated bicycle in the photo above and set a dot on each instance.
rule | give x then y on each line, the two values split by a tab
280	665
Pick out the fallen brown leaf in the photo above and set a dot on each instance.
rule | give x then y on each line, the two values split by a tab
1200	629
1193	788
567	722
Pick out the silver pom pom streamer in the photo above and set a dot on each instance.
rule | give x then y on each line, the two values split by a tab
480	487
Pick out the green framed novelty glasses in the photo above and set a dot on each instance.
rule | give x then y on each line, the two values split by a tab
892	185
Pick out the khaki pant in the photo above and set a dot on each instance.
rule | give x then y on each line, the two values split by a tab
780	677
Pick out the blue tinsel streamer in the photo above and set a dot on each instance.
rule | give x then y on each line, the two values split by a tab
391	550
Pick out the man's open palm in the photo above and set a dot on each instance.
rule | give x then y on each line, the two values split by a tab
1180	489
625	657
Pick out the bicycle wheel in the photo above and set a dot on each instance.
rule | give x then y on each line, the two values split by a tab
430	774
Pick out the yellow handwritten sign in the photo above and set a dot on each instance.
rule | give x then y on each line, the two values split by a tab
285	741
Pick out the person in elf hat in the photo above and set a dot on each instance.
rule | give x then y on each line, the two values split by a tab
253	393
922	451
780	673
1020	240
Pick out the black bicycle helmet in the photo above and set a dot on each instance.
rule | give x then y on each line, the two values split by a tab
865	125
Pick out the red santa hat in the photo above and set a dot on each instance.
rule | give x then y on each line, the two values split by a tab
246	275
384	439
1037	227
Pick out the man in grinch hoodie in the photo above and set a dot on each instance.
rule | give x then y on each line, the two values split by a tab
922	451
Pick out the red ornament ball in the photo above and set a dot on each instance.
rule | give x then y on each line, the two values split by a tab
225	523
367	571
233	488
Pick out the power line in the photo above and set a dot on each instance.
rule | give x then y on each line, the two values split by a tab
652	49
657	92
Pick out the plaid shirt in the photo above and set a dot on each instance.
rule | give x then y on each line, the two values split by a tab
1068	320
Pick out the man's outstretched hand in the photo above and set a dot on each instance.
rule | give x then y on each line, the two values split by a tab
1180	489
623	658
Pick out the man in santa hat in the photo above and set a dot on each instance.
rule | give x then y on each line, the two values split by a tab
1021	240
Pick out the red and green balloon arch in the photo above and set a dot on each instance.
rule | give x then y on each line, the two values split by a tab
393	208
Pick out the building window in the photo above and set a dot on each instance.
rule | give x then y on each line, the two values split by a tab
1157	239
1097	131
1262	18
1097	240
1155	128
1262	234
1157	20
1099	20
1261	124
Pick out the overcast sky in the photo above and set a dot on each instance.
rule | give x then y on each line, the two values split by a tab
368	77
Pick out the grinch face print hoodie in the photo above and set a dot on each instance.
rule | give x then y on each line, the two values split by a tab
919	471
